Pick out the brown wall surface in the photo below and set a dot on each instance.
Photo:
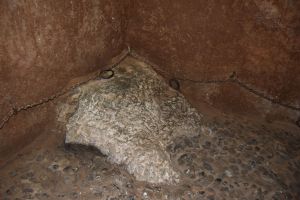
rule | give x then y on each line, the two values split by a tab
43	45
208	40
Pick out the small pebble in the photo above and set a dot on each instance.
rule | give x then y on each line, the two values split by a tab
228	173
13	173
27	190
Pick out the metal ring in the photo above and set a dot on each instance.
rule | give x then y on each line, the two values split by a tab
107	74
174	83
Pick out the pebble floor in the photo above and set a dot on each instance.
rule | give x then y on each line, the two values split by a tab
233	159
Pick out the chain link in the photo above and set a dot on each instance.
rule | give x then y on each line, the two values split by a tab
15	110
232	79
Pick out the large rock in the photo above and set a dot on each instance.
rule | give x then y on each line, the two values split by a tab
132	118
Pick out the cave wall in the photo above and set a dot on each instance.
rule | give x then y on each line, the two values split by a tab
43	45
209	40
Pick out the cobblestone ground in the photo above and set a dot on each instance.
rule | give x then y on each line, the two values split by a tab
233	158
241	160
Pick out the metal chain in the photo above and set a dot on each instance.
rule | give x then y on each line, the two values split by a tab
232	78
15	110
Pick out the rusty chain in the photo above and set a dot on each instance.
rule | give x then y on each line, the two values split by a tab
232	79
15	110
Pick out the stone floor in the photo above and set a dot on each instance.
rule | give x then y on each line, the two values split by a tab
241	160
234	158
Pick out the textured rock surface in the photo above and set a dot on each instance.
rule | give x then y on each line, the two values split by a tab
44	45
132	118
232	158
